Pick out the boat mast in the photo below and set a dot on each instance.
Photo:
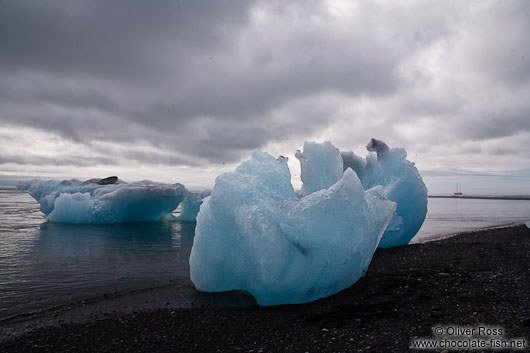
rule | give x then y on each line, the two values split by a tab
458	191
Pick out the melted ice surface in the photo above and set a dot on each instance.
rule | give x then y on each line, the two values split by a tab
254	234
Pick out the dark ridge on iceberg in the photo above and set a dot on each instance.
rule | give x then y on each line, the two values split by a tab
377	146
108	181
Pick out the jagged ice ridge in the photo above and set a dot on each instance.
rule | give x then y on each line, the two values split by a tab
253	233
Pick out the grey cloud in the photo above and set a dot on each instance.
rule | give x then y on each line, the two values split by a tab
153	158
117	38
79	161
207	81
517	176
132	158
499	125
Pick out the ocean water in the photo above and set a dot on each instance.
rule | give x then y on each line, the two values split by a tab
44	263
451	216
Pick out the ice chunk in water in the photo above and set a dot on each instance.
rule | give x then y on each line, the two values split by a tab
106	200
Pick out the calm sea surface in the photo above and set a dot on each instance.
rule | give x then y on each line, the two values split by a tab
451	216
44	263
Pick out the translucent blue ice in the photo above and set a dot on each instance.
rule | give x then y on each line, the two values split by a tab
321	166
104	201
254	234
191	204
401	182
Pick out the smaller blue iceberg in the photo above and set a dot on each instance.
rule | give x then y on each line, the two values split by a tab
190	206
108	200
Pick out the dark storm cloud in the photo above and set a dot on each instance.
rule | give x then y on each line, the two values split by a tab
207	81
68	62
501	124
125	70
122	39
154	158
63	161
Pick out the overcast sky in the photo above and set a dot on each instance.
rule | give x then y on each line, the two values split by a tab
184	90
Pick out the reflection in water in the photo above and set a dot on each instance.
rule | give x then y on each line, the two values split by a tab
107	237
45	263
120	252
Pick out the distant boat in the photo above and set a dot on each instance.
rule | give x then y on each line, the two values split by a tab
458	192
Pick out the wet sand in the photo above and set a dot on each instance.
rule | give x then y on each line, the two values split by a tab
478	278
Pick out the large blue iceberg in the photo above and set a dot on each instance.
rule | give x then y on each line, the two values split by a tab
253	233
402	184
108	200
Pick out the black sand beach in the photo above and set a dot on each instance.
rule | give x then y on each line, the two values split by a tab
478	278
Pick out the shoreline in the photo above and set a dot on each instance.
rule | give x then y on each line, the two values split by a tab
466	279
458	233
181	295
